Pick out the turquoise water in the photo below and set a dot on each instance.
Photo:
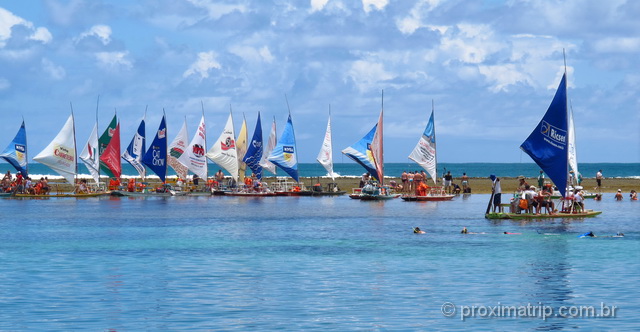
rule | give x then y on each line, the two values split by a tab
287	263
482	170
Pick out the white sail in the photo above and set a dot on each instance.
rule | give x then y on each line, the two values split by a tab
271	143
90	155
176	149
223	152
325	157
241	147
571	146
194	157
60	154
424	154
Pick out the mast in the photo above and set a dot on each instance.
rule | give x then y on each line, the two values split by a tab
26	151
98	147
75	150
564	57
435	155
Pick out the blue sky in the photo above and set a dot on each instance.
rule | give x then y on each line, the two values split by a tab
491	68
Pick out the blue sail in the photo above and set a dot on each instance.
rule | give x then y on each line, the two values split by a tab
547	144
361	153
16	153
133	154
156	156
284	154
254	152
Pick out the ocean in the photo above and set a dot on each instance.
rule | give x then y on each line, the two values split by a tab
307	263
475	170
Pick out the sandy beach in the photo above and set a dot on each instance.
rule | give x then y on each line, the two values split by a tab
478	185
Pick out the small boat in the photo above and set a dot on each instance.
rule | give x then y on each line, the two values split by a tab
507	215
248	193
369	152
424	154
285	156
552	146
432	194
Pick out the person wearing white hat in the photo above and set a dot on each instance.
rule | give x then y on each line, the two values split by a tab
619	195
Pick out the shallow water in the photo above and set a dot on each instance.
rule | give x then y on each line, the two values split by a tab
287	263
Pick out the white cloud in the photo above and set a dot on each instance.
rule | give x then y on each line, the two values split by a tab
8	20
318	5
369	5
54	71
416	18
205	62
251	54
102	32
217	10
367	74
114	60
617	45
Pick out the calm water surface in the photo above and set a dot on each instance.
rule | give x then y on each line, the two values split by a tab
285	263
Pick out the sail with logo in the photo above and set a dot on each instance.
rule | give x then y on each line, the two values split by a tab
547	144
284	154
176	149
60	154
156	156
223	152
194	156
254	151
16	153
133	153
424	154
114	169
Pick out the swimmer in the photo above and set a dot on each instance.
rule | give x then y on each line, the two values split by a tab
590	234
417	230
464	231
508	233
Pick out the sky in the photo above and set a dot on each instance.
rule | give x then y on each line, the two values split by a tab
490	68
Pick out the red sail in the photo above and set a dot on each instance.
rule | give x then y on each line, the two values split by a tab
111	154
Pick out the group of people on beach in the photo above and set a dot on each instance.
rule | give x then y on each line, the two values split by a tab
416	182
24	185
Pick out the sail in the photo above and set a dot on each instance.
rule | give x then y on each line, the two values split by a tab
90	155
194	157
360	152
156	156
547	144
325	156
177	147
223	152
377	150
135	150
110	157
60	154
284	154
424	154
573	158
241	148
271	143
16	153
254	152
104	141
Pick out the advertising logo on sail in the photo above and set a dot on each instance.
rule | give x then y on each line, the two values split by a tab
288	152
228	144
555	134
198	150
162	133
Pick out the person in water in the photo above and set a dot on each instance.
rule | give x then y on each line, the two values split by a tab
417	230
464	231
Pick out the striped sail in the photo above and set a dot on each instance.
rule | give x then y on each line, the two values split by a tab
176	149
16	153
284	154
